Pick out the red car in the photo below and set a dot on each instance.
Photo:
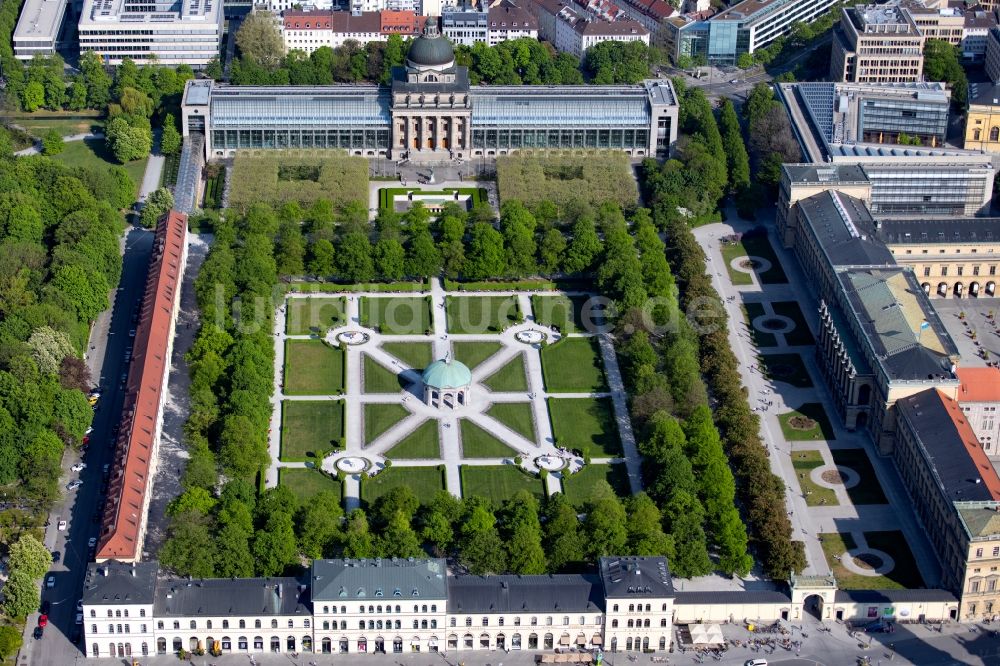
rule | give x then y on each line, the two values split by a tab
43	620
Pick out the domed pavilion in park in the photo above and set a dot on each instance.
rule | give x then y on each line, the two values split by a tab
447	384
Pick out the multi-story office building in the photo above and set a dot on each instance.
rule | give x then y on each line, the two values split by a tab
165	32
975	33
430	112
38	28
378	607
465	27
876	44
982	121
570	28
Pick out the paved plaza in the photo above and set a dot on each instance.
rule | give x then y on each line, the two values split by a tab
363	457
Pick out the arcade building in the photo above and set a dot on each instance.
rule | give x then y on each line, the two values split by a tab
430	113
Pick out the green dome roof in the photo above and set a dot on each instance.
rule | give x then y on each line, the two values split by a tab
430	49
447	375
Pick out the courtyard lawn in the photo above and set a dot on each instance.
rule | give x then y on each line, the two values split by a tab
804	462
481	314
800	335
515	415
868	490
569	314
313	367
731	251
396	315
477	443
787	368
751	311
420	444
472	353
904	574
753	245
573	365
379	417
510	378
387	195
579	487
378	379
310	430
499	482
423	481
303	176
585	424
306	483
808	422
67	123
94	154
313	316
416	355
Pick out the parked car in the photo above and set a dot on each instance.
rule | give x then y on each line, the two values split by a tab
39	632
73	485
91	542
61	526
79	467
43	620
44	610
79	618
131	333
56	555
50	581
89	430
76	636
755	662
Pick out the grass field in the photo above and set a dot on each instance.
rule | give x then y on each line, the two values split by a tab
804	462
94	153
420	444
313	368
498	482
800	335
335	287
573	365
480	314
380	417
511	377
760	338
67	123
396	315
416	355
868	490
306	483
756	245
579	488
423	481
585	424
515	415
569	314
477	443
472	353
305	316
788	368
904	575
378	379
310	430
822	430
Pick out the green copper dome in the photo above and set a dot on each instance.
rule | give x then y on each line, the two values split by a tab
447	375
430	49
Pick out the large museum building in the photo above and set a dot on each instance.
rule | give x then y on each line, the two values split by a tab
430	113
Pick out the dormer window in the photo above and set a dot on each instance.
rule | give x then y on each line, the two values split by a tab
378	592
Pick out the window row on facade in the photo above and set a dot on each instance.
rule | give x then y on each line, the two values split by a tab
574	138
371	139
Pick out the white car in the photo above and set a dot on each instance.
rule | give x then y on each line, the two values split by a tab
734	82
61	526
89	430
73	485
79	467
79	618
91	542
50	581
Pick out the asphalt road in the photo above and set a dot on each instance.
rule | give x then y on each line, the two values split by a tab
78	507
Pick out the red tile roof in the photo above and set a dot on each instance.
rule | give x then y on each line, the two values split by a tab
134	458
399	22
972	446
979	385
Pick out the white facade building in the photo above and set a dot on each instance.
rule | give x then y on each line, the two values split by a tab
574	31
465	27
161	31
38	28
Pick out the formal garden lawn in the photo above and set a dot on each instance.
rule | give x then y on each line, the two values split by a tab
509	378
422	443
569	314
396	315
306	483
313	316
594	177
808	422
474	352
753	245
416	355
378	379
313	367
800	335
499	482
904	575
423	481
515	415
481	314
804	462
311	429
302	176
585	424
477	443
751	311
868	490
94	153
573	365
379	417
787	368
579	487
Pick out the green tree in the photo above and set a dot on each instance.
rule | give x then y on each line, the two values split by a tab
422	256
158	203
10	641
289	249
52	143
941	63
127	142
355	257
259	40
563	542
645	531
234	559
390	258
319	524
321	258
486	256
481	549
170	140
522	534
737	161
190	546
551	251
96	80
399	539
192	499
274	548
242	447
683	518
29	555
584	246
20	595
33	97
358	540
605	525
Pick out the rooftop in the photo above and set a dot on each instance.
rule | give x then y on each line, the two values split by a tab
845	174
951	230
730	597
505	14
114	582
978	385
892	596
980	519
636	577
334	580
984	93
40	19
844	230
449	374
230	597
958	462
525	594
747	8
